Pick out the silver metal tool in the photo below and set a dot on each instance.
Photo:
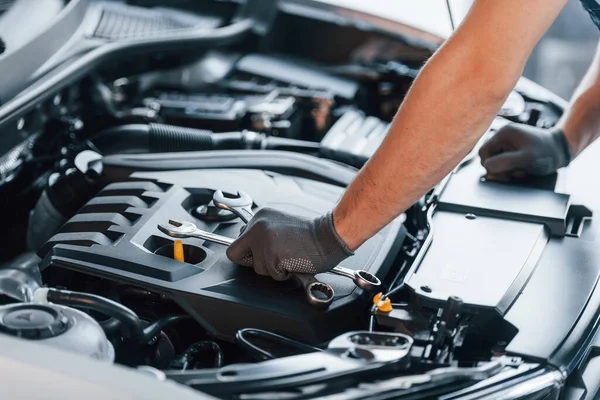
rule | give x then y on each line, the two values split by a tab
240	206
363	279
185	229
318	294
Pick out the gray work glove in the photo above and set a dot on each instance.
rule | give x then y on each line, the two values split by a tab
277	244
520	150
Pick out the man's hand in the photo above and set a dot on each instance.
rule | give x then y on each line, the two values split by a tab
520	150
277	244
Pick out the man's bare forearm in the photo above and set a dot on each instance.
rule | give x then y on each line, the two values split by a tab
581	121
451	104
430	134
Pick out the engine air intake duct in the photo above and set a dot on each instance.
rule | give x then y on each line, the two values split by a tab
161	138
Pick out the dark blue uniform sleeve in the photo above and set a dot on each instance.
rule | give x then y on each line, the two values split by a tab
593	7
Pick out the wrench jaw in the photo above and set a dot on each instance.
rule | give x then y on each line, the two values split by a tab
362	279
367	281
168	230
242	200
240	206
319	295
177	229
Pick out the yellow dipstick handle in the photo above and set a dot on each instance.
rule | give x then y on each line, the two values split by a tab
178	251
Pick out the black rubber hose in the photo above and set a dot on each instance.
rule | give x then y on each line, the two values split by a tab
134	138
171	138
120	314
100	304
154	328
110	326
161	138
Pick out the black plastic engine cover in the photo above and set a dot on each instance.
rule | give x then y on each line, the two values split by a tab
115	236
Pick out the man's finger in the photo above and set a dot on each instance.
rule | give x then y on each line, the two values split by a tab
491	148
505	162
240	252
278	272
496	144
259	263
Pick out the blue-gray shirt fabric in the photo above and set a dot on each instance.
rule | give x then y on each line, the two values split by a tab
593	7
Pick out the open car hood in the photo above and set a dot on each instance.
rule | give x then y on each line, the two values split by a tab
145	114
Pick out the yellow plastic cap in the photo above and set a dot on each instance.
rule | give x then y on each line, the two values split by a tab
382	305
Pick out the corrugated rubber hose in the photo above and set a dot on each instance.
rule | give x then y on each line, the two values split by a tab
162	138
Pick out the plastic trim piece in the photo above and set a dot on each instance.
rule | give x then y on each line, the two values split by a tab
276	161
62	78
23	61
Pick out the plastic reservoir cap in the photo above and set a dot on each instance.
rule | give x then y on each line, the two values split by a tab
178	251
382	305
33	321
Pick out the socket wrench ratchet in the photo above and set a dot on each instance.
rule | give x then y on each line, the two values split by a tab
318	294
242	207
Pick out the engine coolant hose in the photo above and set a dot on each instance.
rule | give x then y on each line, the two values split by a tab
162	138
126	316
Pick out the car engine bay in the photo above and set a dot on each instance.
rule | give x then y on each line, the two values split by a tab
94	168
